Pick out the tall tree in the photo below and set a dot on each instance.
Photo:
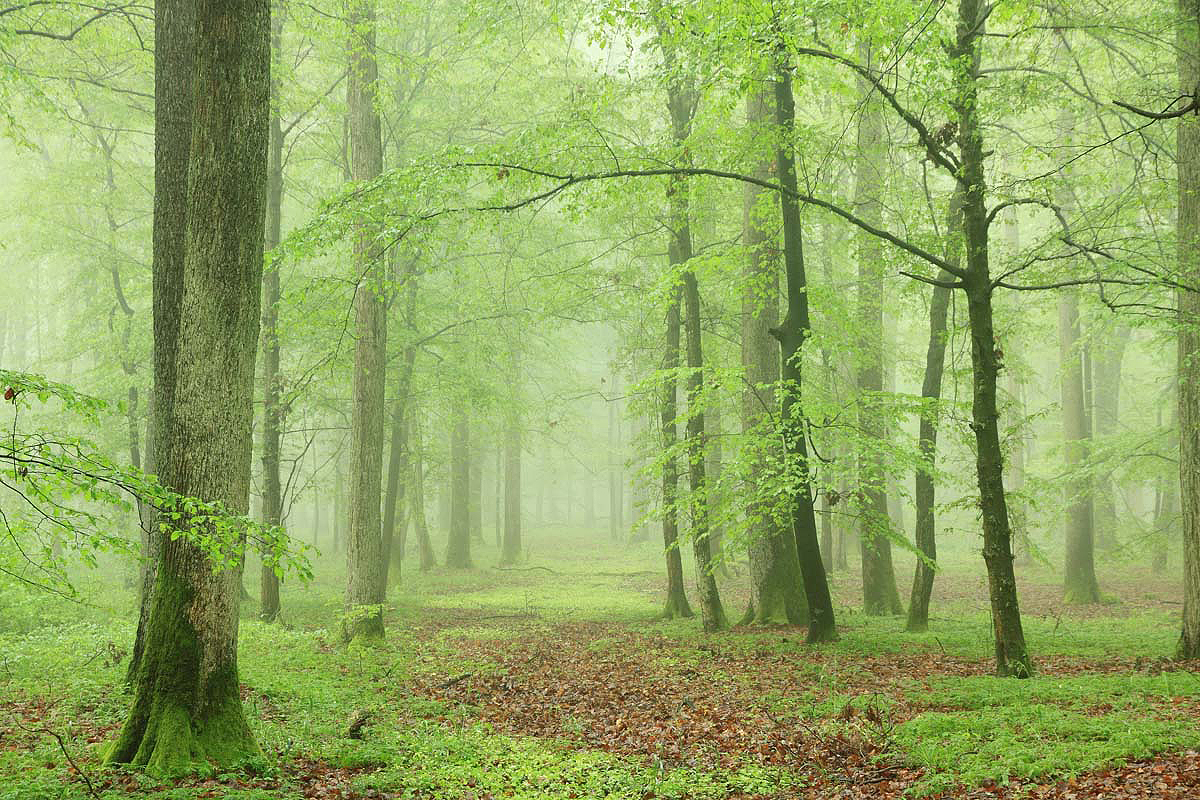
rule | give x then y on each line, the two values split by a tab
273	409
792	333
186	705
777	589
174	46
365	587
880	595
931	392
1079	575
1188	221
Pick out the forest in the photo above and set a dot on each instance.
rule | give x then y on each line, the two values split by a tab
461	400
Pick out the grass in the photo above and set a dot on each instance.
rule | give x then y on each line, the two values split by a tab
62	667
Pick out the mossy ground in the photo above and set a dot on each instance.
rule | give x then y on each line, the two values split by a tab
1102	694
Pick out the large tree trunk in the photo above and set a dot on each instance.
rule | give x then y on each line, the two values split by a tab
186	707
880	595
1079	576
475	495
365	587
174	43
777	589
510	551
1188	149
1012	655
458	549
792	333
273	410
931	392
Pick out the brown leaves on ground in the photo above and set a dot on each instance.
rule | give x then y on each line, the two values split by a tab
648	695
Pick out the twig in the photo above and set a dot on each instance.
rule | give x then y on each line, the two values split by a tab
454	681
63	746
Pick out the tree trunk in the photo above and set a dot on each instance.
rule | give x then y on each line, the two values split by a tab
1012	655
616	524
186	707
931	393
1106	372
365	588
1079	576
677	603
458	548
777	588
510	552
711	611
880	595
792	333
273	410
1188	154
475	497
399	468
174	31
420	529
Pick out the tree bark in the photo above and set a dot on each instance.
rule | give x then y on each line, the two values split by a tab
711	611
365	587
186	707
1106	371
174	29
791	334
1188	154
880	595
1012	655
273	410
777	588
677	602
931	392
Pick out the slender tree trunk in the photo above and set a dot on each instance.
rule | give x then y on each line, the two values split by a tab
792	333
458	549
777	588
510	552
420	529
475	503
1012	655
1188	154
186	706
365	587
880	595
677	603
399	468
273	409
1105	422
616	525
498	497
711	611
1079	576
931	392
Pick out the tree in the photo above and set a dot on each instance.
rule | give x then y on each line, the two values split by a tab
458	549
792	333
1188	299
365	587
186	706
273	409
880	595
777	588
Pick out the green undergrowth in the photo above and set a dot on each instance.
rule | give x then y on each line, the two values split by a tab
62	666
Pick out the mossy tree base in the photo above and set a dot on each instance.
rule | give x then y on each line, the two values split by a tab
677	606
168	740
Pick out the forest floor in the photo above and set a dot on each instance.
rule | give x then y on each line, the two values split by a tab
557	680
